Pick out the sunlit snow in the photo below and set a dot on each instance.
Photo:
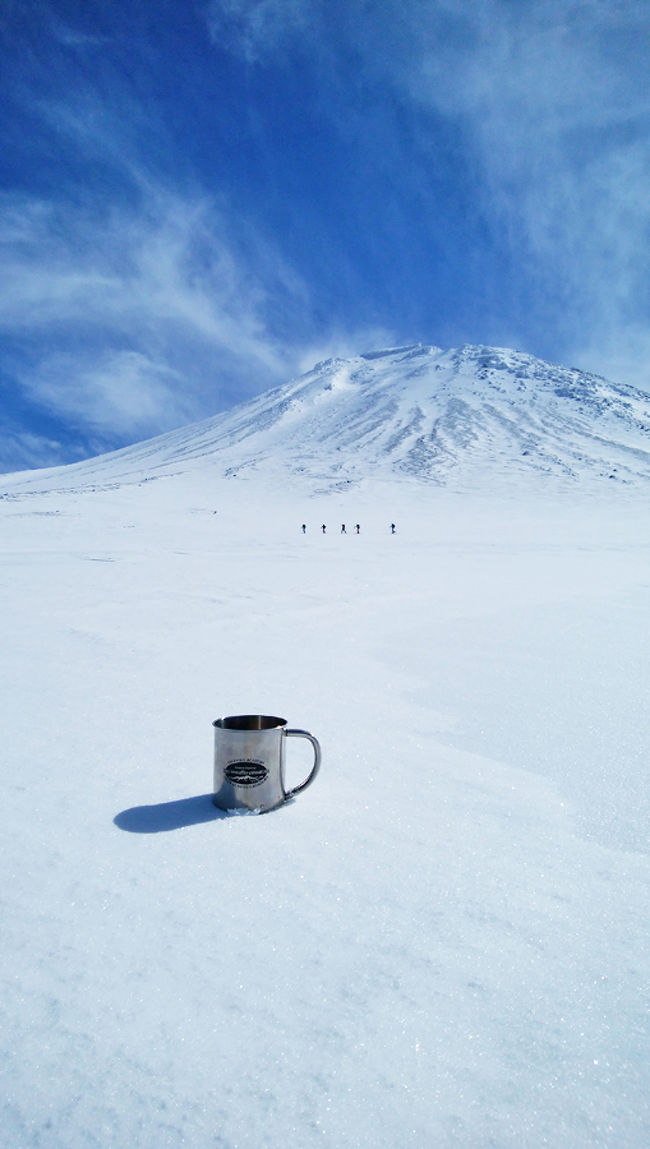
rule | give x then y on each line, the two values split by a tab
443	942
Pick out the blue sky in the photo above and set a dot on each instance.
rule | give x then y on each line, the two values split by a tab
202	198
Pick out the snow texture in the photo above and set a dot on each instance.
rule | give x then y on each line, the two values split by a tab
444	941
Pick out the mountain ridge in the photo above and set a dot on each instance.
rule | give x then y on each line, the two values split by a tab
461	416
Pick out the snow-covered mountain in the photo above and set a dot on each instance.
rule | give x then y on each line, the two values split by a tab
465	417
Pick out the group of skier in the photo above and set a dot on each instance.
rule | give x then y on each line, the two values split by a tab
357	528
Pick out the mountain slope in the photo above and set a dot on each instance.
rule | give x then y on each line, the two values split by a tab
463	417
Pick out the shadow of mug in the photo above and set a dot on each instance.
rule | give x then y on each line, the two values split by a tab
166	816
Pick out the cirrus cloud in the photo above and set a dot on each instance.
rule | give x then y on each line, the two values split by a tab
549	101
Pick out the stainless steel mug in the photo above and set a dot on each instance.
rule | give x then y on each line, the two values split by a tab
249	757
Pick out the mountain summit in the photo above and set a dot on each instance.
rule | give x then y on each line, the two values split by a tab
460	417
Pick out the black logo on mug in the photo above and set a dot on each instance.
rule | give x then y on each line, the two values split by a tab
246	773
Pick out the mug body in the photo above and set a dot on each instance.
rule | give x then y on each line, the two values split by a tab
249	762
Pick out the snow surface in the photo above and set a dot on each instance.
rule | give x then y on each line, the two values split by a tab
444	941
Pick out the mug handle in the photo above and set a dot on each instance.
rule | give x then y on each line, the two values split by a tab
317	758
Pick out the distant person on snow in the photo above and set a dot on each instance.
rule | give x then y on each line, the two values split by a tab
343	531
392	528
323	528
357	529
303	528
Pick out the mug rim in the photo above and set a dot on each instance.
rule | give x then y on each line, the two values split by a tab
247	723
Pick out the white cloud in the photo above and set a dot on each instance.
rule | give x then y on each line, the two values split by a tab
256	28
623	355
121	393
548	101
168	286
159	303
553	99
22	450
72	37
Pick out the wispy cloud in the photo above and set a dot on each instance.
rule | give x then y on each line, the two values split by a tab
72	37
120	393
555	100
145	306
163	285
256	29
132	298
549	101
22	450
148	301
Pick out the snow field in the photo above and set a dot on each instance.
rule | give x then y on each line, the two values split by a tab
444	940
